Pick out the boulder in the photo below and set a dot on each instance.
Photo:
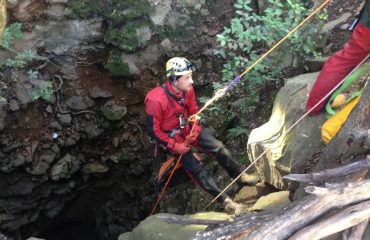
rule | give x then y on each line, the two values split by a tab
28	9
64	167
154	228
61	37
23	93
113	111
331	25
272	201
94	167
290	153
78	103
160	12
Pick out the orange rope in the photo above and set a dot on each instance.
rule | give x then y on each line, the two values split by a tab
169	178
222	91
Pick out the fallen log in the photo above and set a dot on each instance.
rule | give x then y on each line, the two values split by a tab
345	219
356	232
281	224
330	173
183	221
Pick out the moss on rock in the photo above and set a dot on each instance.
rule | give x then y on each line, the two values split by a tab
113	112
84	8
118	69
114	11
130	36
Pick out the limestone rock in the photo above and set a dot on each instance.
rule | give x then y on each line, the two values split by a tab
64	167
160	12
79	103
41	164
95	167
97	92
13	105
28	9
60	37
55	11
289	154
331	25
65	119
23	93
154	228
271	201
112	111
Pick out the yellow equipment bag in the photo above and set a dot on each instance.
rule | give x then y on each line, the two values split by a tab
332	126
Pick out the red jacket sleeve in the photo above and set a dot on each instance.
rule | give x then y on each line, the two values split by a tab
154	121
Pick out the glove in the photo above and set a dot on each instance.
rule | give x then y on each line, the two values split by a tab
193	136
181	148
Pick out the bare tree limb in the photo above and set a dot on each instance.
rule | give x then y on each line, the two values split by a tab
281	224
347	218
356	232
184	221
330	173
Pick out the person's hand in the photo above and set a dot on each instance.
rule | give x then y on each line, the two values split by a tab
193	136
181	148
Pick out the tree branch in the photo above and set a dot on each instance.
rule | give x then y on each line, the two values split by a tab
347	218
330	173
282	223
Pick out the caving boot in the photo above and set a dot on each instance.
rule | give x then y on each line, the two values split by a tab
205	181
233	208
249	179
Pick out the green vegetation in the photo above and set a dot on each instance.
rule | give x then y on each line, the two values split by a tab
126	37
114	11
21	60
250	35
11	33
118	69
45	92
172	33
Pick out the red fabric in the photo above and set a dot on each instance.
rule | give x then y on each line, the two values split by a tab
339	65
181	148
161	116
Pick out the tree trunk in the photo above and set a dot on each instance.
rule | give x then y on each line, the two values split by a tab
347	218
356	232
331	173
281	224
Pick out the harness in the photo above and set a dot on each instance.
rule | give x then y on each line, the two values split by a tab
180	116
180	101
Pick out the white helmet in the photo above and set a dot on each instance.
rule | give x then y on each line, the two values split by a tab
178	66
